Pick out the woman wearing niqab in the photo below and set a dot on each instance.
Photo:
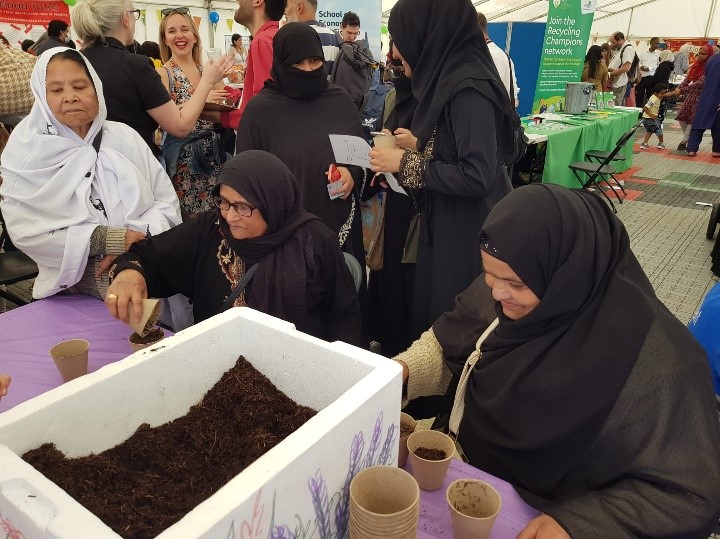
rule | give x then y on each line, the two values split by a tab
292	118
463	126
588	395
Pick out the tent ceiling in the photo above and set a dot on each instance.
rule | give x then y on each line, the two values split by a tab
637	18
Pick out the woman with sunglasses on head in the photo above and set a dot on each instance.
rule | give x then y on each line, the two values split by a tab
134	92
193	161
300	274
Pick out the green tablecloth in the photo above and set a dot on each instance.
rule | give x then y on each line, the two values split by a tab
569	139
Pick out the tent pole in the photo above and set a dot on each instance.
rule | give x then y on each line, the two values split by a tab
209	8
632	11
710	17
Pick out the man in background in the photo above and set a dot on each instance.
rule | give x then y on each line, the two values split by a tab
261	18
354	64
649	61
503	63
620	66
306	11
58	32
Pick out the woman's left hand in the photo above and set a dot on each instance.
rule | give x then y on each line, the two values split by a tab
385	159
543	527
347	182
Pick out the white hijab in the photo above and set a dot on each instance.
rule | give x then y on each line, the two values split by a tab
51	174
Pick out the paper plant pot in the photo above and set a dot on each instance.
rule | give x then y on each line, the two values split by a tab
474	506
430	474
407	421
151	313
71	358
138	343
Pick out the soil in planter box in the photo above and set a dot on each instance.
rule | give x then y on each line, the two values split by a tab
149	482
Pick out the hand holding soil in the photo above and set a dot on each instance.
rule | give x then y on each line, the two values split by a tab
125	295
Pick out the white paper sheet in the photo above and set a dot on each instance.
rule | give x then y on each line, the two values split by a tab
352	150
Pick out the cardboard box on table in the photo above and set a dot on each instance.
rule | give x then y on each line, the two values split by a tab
303	481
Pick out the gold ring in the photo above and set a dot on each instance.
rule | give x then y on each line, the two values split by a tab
111	296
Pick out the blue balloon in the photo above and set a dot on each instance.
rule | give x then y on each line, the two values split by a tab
214	17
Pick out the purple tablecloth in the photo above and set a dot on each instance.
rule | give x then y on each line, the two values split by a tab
435	513
28	333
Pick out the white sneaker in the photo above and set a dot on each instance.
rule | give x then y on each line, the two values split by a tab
661	146
644	146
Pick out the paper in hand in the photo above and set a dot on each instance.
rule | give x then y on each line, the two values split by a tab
354	151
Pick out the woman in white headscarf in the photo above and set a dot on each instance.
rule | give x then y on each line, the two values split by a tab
79	190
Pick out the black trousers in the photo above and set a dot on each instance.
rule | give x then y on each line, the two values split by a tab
643	91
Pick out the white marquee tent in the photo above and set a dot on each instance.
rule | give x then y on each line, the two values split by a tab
636	18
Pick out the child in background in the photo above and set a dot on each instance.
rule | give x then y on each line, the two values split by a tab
653	115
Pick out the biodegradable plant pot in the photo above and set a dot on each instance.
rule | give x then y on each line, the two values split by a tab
474	506
151	313
384	502
431	464
71	358
153	336
407	425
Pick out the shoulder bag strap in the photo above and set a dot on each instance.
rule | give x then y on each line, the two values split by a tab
458	408
97	141
171	80
239	288
512	86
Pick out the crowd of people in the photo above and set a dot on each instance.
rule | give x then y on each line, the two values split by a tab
128	180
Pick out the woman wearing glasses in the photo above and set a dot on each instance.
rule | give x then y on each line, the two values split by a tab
193	161
299	272
134	92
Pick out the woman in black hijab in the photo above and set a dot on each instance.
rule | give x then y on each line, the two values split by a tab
292	117
391	288
589	396
464	129
301	275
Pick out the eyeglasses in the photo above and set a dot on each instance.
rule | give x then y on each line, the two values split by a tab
242	209
135	12
170	10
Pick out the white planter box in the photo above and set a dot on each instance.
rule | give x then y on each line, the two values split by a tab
300	483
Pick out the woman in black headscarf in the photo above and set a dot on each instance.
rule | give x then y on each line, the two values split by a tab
391	288
300	274
589	396
464	129
292	117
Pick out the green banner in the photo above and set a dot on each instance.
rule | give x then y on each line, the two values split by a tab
563	54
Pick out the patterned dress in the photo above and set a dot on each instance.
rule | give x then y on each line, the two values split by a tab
193	188
692	97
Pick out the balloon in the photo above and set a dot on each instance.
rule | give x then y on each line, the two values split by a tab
383	30
69	2
214	16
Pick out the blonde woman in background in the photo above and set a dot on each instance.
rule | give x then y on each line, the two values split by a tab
192	161
134	93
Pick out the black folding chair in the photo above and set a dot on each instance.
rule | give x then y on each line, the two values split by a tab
14	267
599	167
